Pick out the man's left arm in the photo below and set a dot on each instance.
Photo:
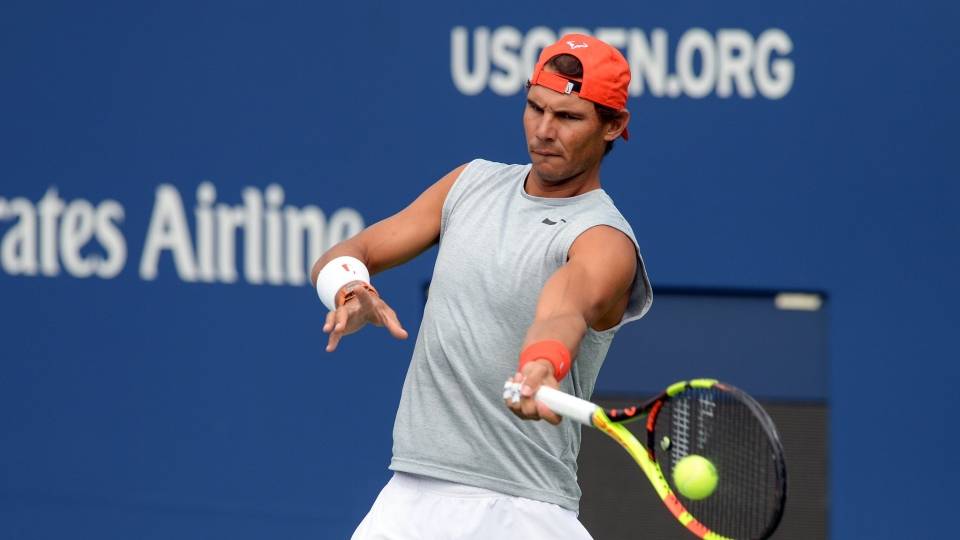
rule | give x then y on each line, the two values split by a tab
591	290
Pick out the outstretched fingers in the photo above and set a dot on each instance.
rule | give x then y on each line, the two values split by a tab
328	322
339	324
392	323
383	315
363	308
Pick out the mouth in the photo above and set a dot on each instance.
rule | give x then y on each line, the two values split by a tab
543	153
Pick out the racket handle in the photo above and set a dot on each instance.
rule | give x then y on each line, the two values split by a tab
566	405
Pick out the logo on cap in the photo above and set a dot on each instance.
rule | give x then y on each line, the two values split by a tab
575	45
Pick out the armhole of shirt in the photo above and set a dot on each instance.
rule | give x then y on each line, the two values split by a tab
641	293
456	192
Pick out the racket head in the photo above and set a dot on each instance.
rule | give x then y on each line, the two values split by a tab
728	427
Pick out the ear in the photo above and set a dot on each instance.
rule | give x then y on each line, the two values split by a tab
616	126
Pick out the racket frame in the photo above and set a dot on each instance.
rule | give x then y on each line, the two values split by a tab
612	422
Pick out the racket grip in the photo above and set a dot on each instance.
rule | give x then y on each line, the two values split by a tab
566	405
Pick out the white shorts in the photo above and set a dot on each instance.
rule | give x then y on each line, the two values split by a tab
412	507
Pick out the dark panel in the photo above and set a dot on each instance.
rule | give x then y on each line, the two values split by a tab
619	503
731	335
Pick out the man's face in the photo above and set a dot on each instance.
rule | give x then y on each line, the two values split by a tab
565	136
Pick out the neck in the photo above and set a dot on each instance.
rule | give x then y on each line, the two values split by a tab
582	182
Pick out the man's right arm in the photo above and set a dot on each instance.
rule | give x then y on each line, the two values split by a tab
398	238
383	245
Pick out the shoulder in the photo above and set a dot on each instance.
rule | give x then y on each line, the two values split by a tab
480	176
597	215
605	212
482	168
606	243
609	209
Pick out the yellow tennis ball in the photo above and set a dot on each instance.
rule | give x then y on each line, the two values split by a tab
695	477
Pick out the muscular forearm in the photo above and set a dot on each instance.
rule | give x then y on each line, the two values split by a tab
565	328
398	238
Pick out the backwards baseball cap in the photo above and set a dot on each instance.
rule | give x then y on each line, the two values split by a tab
606	74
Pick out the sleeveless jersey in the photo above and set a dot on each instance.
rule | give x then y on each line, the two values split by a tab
498	247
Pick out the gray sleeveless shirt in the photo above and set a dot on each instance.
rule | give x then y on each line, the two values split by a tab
498	247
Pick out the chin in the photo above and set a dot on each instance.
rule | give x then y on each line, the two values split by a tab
544	169
550	174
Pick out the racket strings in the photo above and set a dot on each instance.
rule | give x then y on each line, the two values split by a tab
722	427
679	432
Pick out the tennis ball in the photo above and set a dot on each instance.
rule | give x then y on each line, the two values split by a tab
695	477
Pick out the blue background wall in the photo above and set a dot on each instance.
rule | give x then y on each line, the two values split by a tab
135	408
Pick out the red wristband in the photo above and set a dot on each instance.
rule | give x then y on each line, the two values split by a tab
551	350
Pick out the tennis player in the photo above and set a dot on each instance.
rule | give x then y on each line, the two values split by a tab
536	271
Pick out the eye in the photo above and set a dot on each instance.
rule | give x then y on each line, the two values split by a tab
534	106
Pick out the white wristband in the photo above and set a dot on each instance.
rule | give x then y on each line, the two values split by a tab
337	273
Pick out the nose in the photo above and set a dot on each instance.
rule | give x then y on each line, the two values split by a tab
545	129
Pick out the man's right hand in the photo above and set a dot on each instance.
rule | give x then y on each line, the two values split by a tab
354	313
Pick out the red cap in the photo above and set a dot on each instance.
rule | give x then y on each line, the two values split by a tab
606	73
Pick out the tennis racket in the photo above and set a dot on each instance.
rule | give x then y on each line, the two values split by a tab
710	419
